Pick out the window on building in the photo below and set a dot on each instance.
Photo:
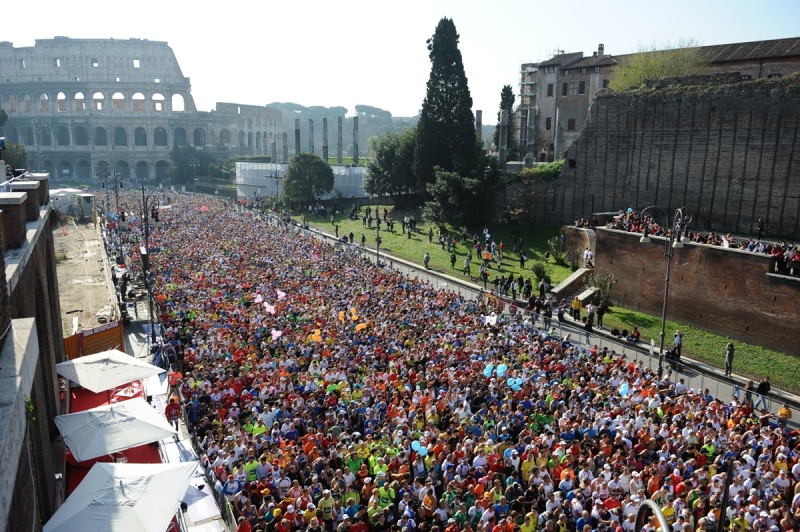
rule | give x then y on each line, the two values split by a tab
582	87
564	89
583	71
746	77
774	76
571	124
566	72
605	83
156	80
548	123
117	80
573	88
136	63
596	70
549	90
22	63
77	78
57	63
95	62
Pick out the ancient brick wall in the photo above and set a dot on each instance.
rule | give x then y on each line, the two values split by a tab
730	152
727	292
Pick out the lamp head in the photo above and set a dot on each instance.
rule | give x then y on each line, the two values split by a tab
645	239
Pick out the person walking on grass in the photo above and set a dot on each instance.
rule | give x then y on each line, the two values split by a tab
426	259
453	260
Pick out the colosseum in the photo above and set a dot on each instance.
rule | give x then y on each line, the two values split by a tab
82	105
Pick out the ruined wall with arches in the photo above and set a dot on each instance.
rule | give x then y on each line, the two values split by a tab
81	105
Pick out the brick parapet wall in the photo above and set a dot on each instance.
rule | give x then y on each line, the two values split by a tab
724	291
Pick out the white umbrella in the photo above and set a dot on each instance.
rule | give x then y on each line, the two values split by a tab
106	370
124	497
111	428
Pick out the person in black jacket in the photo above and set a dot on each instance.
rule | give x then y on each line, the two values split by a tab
762	391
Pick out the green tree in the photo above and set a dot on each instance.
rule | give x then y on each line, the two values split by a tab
3	117
446	129
557	251
604	284
222	169
16	155
181	171
308	178
391	166
454	196
681	59
507	100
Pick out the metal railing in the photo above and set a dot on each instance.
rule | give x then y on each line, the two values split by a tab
694	378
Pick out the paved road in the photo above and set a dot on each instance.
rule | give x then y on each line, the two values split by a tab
696	375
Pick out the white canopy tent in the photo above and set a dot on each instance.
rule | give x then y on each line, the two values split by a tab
106	370
111	428
124	497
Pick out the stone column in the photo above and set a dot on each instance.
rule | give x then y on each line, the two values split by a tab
285	147
311	136
479	126
355	140
339	145
296	136
557	139
503	138
274	150
325	139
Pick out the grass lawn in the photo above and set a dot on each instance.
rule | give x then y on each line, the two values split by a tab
749	361
414	249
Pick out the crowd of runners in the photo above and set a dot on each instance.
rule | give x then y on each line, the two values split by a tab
326	393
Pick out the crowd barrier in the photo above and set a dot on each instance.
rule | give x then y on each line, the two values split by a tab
694	377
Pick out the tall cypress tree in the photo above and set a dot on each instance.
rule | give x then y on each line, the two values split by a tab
507	100
446	129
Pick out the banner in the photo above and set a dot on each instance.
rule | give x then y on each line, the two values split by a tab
93	341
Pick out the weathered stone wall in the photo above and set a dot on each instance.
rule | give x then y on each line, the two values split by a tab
34	294
729	152
725	291
86	104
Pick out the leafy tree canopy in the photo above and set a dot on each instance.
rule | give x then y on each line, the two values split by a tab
507	100
681	59
181	170
373	115
16	155
308	178
390	166
446	130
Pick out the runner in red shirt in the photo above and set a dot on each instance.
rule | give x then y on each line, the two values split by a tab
173	412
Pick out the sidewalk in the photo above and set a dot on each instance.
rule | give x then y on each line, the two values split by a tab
699	375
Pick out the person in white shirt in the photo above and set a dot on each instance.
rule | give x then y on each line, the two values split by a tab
629	524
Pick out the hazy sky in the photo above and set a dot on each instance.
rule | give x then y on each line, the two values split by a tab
350	52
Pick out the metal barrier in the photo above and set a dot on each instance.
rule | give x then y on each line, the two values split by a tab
693	377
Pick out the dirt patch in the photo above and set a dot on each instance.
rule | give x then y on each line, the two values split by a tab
82	278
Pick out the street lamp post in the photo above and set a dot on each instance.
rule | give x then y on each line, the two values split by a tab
149	203
382	182
277	180
194	162
675	239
